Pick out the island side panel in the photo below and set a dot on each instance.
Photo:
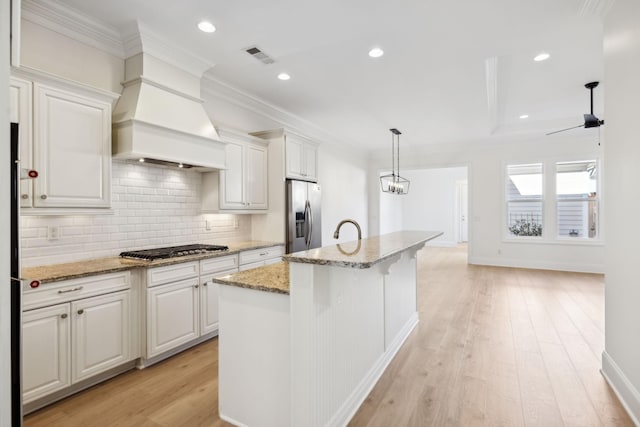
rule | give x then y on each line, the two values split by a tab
400	299
337	341
254	370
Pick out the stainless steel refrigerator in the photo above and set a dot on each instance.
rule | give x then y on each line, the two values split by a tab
304	229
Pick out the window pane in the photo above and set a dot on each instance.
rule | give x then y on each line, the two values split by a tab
524	182
578	218
577	201
524	218
577	179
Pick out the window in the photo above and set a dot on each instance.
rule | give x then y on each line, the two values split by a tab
524	196
577	199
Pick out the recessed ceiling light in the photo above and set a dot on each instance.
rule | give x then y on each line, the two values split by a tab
206	26
141	159
541	57
524	116
376	52
284	76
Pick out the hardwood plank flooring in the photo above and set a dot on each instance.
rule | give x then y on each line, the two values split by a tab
494	347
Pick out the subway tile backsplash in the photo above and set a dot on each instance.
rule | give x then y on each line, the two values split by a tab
151	206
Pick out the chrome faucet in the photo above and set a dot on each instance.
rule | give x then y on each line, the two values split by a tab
336	233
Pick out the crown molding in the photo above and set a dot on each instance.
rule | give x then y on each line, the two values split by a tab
138	38
598	8
73	24
221	90
491	68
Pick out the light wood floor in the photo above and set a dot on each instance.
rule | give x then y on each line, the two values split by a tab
494	346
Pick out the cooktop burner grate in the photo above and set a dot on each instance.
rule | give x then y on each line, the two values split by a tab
172	251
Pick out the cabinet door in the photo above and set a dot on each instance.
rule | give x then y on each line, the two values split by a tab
72	149
172	315
101	337
256	182
21	107
46	362
232	194
293	158
311	162
209	302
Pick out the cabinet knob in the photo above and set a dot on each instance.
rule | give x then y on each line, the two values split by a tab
24	196
63	316
195	286
80	311
43	197
204	284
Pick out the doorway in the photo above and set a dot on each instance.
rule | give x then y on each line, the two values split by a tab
462	210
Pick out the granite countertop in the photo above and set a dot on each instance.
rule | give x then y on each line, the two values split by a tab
270	278
364	253
73	270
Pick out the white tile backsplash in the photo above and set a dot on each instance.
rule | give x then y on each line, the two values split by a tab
151	206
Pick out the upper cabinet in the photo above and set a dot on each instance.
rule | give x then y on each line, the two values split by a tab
301	158
243	184
65	135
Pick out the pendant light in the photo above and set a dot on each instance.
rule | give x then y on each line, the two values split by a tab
393	182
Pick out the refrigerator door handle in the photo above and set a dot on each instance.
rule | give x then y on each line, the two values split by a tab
307	223
310	224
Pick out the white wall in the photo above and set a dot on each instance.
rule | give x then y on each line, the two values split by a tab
621	359
342	172
486	198
431	203
5	230
54	53
152	206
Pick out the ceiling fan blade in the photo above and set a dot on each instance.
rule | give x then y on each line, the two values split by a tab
562	130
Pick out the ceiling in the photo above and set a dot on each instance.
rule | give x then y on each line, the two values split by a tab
453	71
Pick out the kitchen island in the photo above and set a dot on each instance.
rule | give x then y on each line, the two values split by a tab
303	342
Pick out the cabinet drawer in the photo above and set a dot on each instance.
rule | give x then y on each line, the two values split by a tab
213	265
171	273
261	254
68	290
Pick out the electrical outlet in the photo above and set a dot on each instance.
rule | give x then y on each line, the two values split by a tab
499	251
53	232
207	225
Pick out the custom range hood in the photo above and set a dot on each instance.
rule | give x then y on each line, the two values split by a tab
160	116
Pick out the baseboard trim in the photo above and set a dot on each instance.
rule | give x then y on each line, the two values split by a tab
622	387
537	265
231	420
143	363
360	393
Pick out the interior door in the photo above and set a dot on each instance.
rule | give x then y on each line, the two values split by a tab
463	211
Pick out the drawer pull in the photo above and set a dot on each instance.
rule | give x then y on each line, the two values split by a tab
80	311
63	316
264	254
64	291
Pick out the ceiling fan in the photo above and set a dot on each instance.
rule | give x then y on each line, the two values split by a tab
590	120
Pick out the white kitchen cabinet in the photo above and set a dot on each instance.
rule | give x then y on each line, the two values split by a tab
209	317
301	158
243	184
65	135
72	149
101	336
172	315
20	111
260	257
74	330
46	361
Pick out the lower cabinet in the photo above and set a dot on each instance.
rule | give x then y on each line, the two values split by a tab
69	342
260	257
181	311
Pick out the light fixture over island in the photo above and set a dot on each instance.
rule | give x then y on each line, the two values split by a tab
304	341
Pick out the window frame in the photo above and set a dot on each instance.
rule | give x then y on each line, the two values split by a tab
598	202
508	236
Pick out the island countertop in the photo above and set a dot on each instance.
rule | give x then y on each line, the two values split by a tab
363	253
270	278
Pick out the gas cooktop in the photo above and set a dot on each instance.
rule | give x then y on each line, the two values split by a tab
172	251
